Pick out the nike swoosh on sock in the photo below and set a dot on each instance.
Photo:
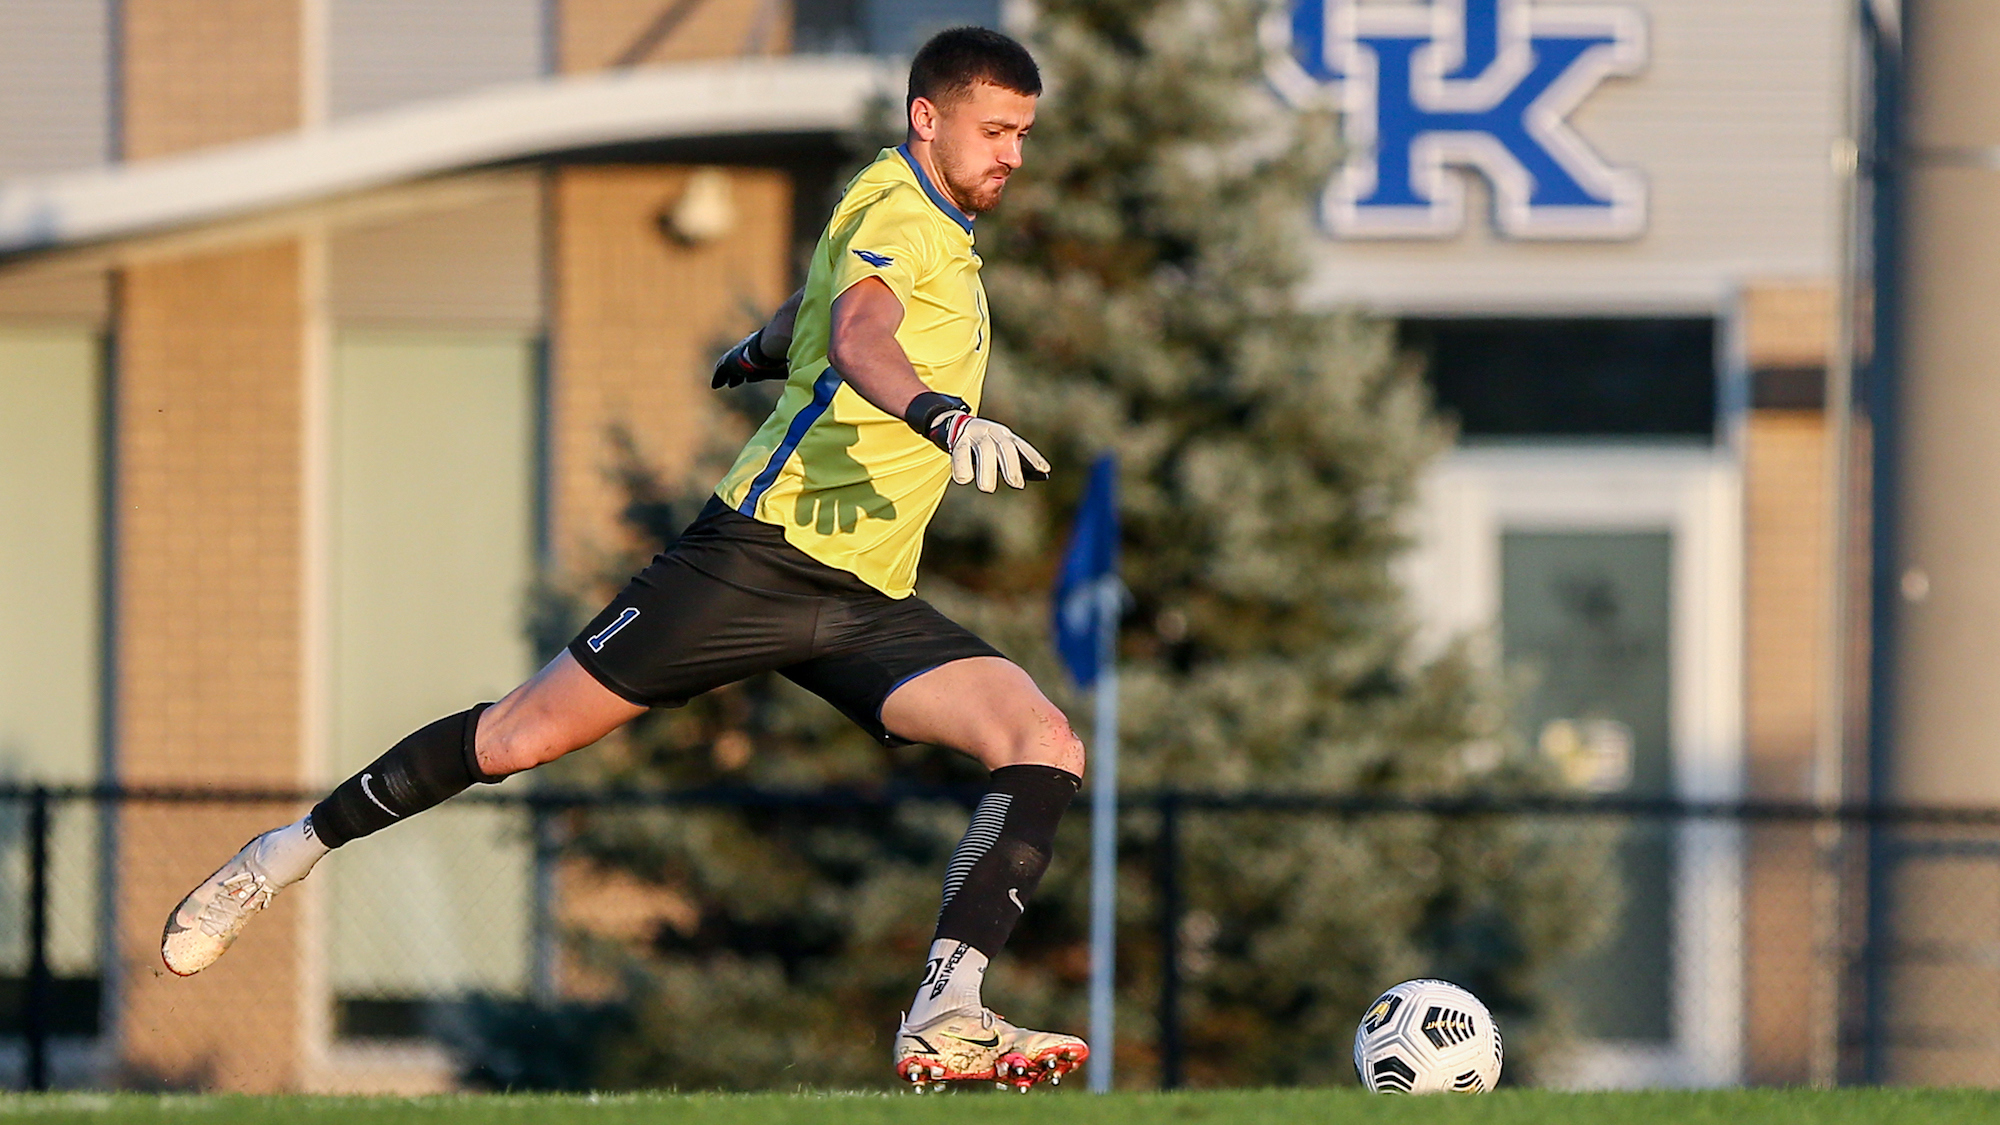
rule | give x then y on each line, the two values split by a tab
374	798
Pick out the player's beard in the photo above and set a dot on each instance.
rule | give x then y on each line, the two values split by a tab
975	194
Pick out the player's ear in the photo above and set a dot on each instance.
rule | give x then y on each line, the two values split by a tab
923	119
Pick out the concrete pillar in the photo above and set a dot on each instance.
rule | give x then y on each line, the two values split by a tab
1942	983
210	526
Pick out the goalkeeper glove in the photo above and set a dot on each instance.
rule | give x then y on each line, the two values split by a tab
980	448
747	363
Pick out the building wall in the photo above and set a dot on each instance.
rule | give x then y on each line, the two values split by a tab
208	72
55	293
209	644
1734	123
473	262
595	34
637	322
382	53
1790	334
55	85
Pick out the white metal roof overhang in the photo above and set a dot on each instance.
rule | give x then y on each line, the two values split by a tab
497	125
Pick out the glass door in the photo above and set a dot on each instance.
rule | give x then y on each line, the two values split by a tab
1587	614
1612	575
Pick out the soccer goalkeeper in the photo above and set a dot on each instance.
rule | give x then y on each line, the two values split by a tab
804	562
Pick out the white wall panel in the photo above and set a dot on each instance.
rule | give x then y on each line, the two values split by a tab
55	85
382	53
478	264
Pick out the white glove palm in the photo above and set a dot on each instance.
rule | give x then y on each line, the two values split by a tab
983	450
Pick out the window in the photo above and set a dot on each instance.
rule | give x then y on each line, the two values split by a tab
1602	377
433	549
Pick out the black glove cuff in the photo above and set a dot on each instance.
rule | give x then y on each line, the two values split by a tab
925	409
753	350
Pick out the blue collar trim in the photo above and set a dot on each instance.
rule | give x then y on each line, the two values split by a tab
937	197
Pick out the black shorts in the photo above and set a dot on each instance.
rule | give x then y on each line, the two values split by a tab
731	598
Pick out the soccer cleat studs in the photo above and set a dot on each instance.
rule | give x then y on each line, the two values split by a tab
975	1045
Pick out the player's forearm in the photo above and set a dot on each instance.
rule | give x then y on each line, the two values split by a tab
777	336
879	372
863	348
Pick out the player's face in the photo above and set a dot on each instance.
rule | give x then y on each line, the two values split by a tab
978	141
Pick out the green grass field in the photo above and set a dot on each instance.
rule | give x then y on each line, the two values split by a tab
980	1107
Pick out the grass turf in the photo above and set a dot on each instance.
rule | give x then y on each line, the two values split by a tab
991	1107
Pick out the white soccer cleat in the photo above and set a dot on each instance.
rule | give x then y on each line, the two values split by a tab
975	1045
209	919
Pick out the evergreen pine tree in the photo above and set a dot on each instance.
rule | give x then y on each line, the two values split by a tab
1144	275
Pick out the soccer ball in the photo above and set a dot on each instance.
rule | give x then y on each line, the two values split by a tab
1427	1037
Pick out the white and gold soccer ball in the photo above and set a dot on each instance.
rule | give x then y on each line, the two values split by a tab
1427	1037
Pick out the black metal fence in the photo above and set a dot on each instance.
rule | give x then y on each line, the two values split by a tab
1741	942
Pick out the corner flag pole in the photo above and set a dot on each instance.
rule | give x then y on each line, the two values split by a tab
1089	601
1104	839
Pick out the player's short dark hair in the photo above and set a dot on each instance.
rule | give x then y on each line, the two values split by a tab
959	58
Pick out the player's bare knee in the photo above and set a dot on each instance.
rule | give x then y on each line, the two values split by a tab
1042	737
1053	742
1069	751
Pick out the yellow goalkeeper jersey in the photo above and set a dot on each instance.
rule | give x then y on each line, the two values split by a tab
852	485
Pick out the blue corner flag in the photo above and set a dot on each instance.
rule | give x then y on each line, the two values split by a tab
1090	568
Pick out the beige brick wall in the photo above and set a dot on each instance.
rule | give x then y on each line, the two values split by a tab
207	72
1788	591
1790	325
598	33
241	1025
636	324
209	528
209	521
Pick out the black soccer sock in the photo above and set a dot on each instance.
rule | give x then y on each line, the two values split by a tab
427	768
1005	850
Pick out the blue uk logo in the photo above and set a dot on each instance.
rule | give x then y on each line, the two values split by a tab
879	261
1431	91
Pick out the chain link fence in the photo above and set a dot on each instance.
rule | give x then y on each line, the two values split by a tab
1740	942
